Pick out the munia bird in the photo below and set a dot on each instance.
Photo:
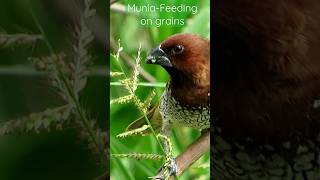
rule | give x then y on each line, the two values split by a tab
266	86
186	98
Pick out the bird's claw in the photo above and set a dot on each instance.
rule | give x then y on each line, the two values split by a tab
171	170
173	167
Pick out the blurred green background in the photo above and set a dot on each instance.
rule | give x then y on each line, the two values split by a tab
58	154
125	26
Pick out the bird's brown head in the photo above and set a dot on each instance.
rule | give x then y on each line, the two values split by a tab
184	57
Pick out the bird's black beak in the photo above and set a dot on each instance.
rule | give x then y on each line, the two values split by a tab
158	56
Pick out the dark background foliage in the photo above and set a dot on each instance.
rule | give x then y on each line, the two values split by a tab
59	153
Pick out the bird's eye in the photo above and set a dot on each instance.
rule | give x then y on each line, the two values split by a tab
178	49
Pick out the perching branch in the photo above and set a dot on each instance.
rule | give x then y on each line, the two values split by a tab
191	154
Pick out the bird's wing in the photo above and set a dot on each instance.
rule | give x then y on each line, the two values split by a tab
154	117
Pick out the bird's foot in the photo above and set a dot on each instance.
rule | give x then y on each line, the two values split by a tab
168	170
172	167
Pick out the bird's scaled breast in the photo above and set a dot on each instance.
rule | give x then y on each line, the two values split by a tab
174	112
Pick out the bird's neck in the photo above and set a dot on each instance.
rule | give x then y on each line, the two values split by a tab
190	91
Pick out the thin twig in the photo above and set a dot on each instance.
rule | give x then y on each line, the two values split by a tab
145	84
191	154
117	7
132	91
128	60
113	1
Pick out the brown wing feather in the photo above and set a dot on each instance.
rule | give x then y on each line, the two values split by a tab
154	117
